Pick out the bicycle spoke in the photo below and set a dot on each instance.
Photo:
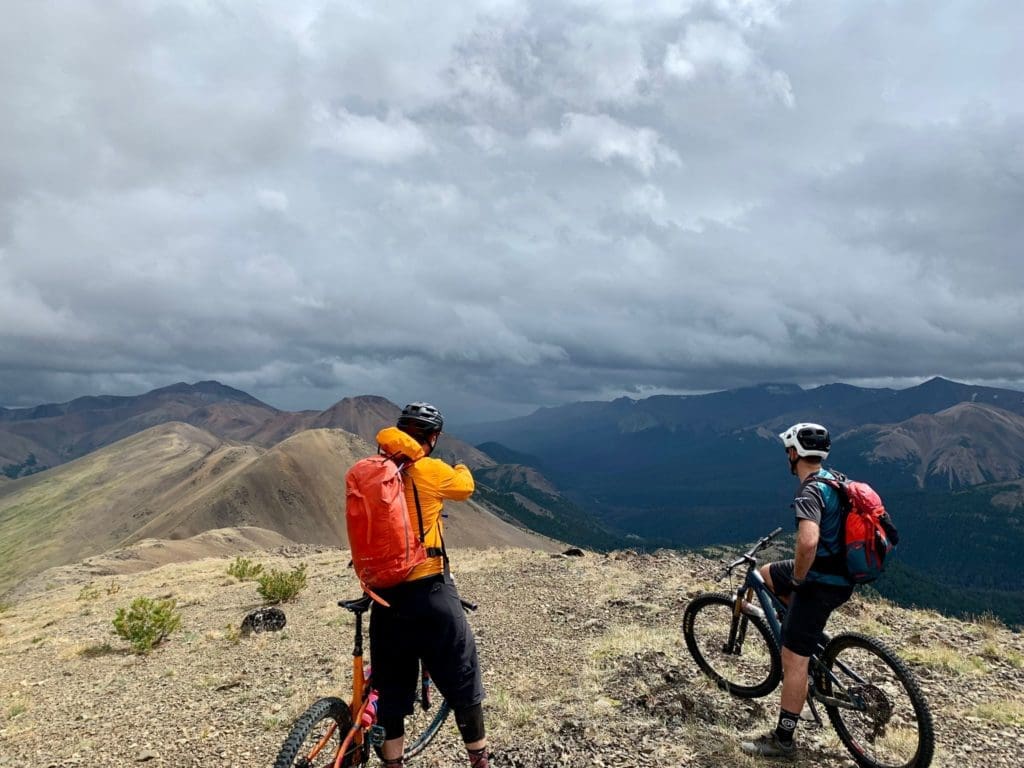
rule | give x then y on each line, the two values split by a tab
750	666
888	725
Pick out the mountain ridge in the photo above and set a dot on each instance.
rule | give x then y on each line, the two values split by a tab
175	481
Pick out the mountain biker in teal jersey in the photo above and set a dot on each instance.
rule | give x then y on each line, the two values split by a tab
812	585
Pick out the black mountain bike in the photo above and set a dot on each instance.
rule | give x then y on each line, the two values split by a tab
333	733
869	694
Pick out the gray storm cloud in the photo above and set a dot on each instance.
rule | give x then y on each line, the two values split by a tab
507	204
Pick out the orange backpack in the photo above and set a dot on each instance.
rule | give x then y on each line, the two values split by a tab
384	546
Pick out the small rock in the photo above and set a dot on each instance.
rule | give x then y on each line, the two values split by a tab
146	755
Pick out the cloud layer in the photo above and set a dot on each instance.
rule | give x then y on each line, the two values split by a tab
505	204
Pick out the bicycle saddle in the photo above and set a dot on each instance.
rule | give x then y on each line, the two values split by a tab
359	605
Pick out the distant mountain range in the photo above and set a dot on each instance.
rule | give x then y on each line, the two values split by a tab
175	481
35	439
940	434
83	477
663	471
697	470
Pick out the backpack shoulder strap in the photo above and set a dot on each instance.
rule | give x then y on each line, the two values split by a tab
431	551
837	481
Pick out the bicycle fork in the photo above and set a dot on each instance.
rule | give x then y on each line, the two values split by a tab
742	607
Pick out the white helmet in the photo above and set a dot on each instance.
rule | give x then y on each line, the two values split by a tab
808	439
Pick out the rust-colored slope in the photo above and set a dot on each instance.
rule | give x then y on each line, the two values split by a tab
965	445
297	489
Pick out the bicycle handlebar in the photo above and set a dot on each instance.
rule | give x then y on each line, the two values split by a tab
748	557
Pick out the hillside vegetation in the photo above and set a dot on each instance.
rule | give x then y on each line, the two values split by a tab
175	481
582	660
89	505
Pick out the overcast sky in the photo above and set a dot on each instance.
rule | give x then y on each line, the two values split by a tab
500	205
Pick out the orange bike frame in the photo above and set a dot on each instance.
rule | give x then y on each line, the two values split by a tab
360	699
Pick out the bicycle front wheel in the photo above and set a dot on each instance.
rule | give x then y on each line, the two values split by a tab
884	721
752	667
314	740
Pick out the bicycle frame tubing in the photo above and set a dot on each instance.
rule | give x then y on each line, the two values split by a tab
360	699
753	584
772	607
358	678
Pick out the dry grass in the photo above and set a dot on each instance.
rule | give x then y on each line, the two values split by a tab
996	651
1005	712
513	711
951	660
630	639
874	628
557	637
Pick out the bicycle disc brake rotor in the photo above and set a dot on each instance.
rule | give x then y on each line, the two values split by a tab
876	705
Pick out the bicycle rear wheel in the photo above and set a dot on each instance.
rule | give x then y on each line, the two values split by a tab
314	740
425	721
752	667
891	725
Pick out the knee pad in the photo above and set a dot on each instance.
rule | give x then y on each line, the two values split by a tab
394	726
470	722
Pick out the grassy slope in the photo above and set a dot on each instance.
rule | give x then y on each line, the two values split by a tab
175	481
89	505
581	657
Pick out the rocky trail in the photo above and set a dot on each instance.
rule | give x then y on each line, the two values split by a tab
582	658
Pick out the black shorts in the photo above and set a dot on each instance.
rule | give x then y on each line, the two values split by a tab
425	622
809	608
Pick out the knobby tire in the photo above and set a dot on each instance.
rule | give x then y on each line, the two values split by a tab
869	751
310	728
706	625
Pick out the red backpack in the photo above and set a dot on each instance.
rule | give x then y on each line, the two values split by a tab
384	546
870	534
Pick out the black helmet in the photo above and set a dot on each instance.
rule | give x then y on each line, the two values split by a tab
420	420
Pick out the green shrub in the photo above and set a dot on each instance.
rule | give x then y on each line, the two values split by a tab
282	586
232	634
147	622
244	569
89	592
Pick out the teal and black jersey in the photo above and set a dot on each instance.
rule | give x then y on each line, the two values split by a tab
820	503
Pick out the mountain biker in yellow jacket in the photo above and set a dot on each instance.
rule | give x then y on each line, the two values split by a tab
424	619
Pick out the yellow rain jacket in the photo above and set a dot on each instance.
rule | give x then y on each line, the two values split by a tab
435	481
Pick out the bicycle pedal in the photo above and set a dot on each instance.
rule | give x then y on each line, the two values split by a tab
376	735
